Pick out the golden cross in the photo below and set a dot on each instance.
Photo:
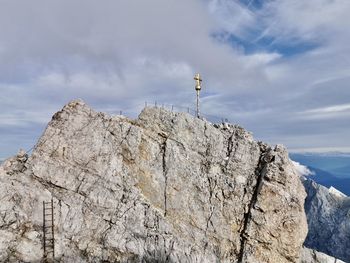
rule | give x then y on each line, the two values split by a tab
198	80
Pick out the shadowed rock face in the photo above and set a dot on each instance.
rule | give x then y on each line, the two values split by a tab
163	188
328	215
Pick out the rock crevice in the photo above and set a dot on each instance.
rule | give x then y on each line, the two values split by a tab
247	216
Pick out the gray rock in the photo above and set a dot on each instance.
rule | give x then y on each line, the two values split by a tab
166	187
313	256
328	215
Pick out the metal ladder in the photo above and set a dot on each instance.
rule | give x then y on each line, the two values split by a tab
48	231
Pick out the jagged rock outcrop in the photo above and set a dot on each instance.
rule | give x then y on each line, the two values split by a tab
328	215
166	187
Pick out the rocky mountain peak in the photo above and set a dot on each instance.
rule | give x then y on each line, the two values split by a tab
166	187
328	216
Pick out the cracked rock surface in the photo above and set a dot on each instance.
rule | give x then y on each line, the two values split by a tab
165	187
328	217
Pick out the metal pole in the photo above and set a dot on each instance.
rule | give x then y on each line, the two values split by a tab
198	87
197	112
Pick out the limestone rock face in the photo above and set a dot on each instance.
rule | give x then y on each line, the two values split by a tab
165	187
328	215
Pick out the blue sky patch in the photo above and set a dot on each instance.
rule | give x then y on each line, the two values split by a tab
252	4
265	44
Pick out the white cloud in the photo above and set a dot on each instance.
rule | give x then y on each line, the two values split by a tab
335	111
312	20
328	151
330	109
117	54
302	169
232	16
261	59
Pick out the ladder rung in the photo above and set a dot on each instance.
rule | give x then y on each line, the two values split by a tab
48	229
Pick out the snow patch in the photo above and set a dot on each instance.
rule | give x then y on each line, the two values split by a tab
336	192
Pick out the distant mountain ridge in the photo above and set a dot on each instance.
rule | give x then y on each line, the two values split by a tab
327	179
329	169
336	164
328	216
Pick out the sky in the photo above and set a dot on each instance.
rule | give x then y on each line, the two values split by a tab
281	69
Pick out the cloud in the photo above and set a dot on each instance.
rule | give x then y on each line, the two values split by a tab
262	65
302	170
300	21
335	111
327	151
330	109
